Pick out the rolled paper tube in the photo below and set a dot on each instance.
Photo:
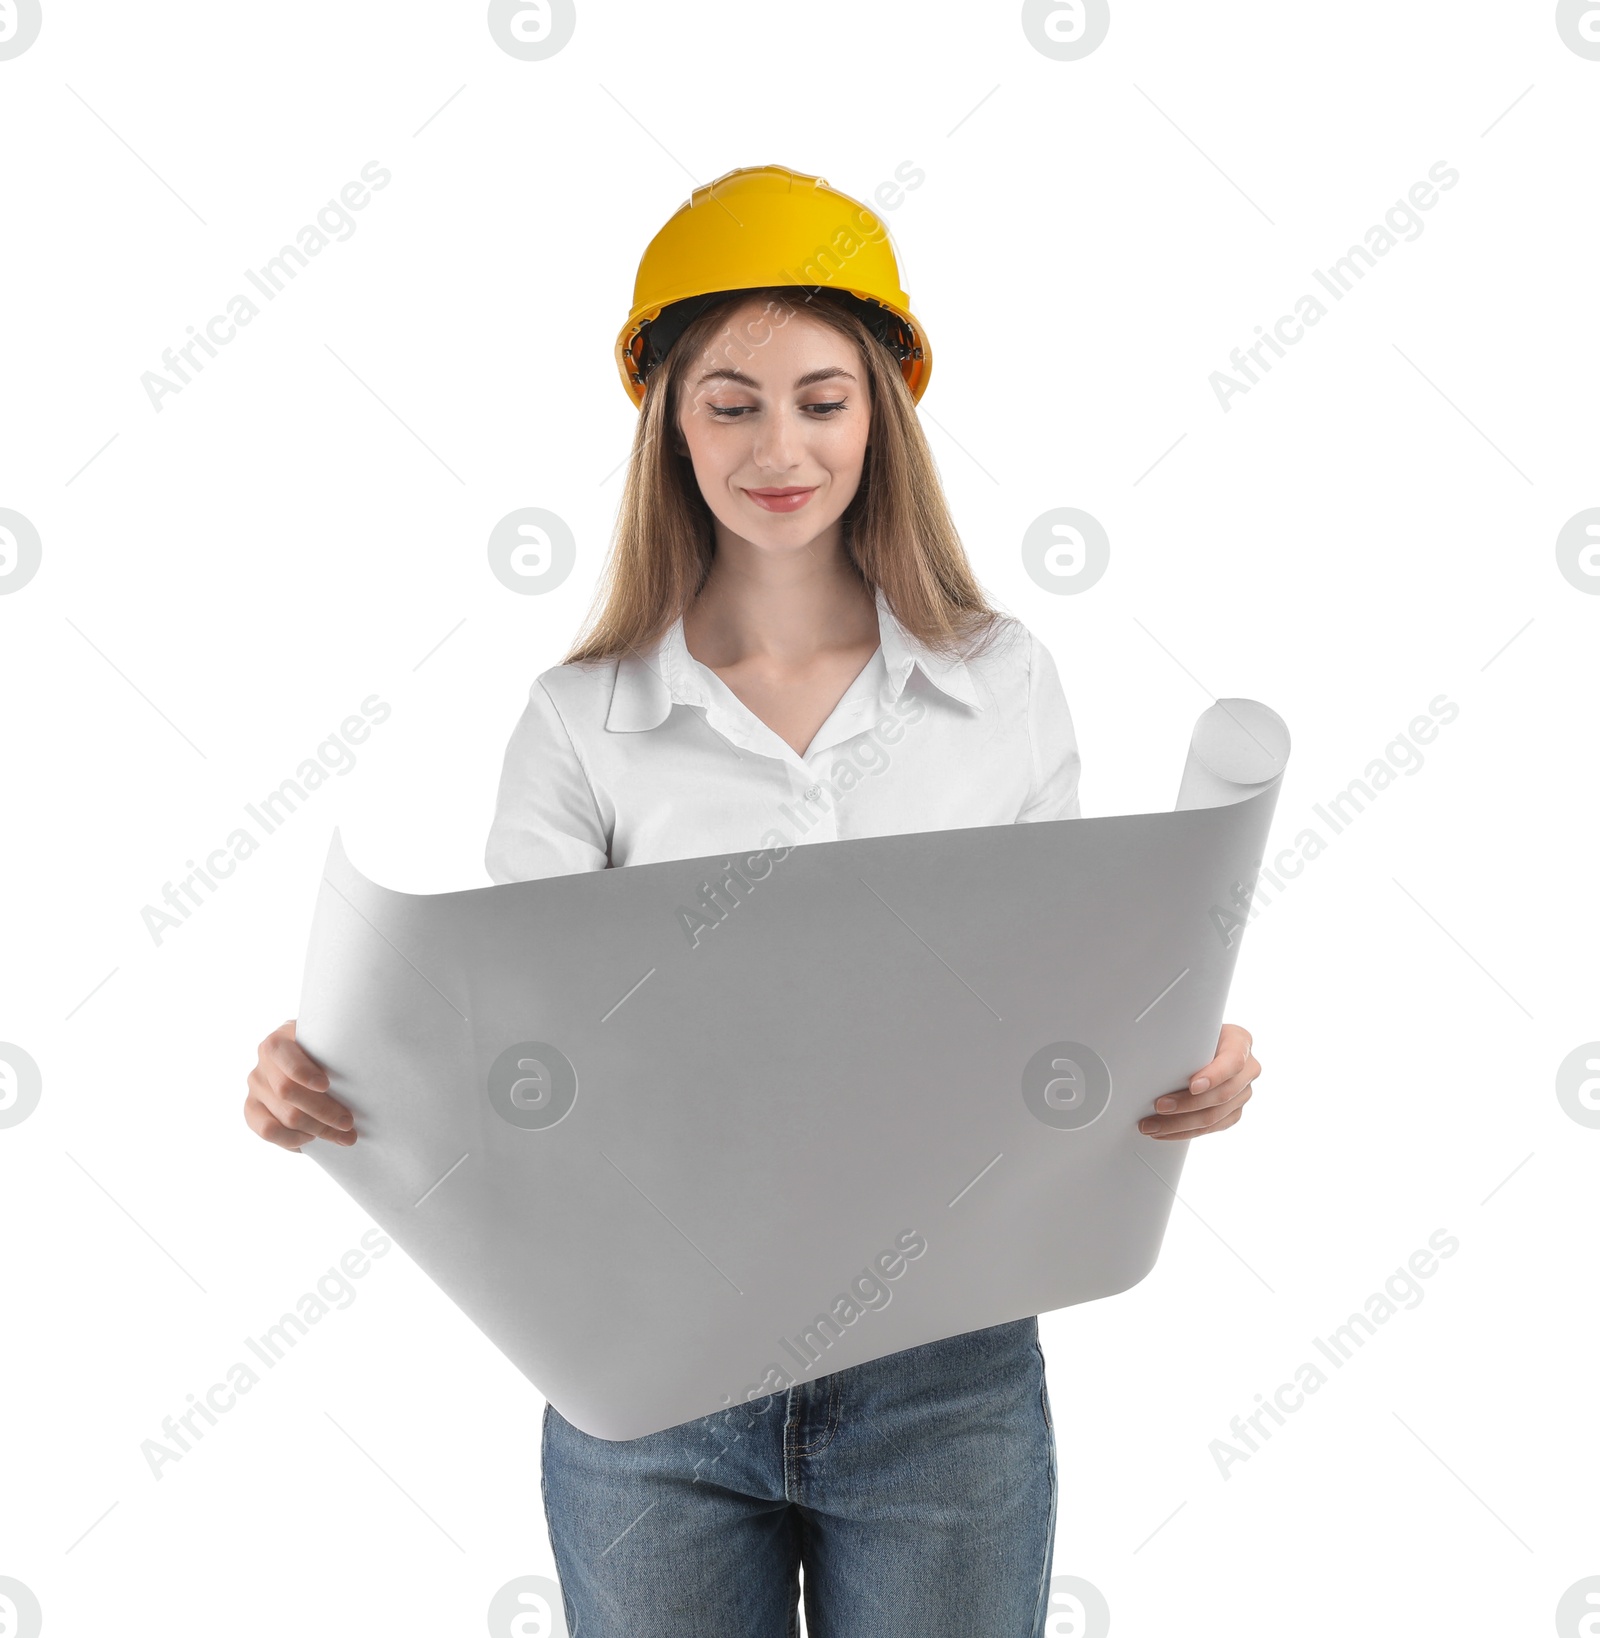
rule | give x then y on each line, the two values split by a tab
1239	747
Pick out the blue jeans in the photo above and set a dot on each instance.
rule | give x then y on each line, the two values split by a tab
918	1490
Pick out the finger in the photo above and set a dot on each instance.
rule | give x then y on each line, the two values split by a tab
284	1106
1232	1035
300	1080
1233	1050
1222	1087
299	1124
1233	1047
260	1121
1186	1122
286	1052
290	1110
1204	1131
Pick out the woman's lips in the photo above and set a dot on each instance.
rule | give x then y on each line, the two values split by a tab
781	500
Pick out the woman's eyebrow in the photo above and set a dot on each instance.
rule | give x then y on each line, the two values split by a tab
808	379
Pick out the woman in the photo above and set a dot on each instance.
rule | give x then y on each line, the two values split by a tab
790	645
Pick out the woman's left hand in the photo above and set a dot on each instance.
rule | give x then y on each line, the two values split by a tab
1217	1092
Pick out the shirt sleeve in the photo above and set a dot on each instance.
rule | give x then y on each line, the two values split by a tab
546	822
1053	793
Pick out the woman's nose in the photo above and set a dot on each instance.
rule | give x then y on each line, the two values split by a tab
777	445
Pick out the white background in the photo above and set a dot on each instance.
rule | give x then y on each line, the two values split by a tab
1371	526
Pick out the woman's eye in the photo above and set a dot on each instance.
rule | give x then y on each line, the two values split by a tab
732	412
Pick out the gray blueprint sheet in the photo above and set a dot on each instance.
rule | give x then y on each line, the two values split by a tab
670	1153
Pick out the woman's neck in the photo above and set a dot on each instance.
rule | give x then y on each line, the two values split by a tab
781	608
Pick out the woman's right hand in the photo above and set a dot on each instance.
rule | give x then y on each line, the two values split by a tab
288	1102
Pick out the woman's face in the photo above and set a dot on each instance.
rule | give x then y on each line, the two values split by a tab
777	402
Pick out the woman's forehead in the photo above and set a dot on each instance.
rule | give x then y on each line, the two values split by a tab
787	334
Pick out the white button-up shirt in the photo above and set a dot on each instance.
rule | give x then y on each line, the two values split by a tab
653	756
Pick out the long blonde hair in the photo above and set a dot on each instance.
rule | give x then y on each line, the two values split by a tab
898	533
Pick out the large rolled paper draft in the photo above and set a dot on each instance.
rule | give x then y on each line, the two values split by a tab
679	1135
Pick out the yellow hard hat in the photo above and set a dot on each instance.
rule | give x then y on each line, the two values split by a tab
767	225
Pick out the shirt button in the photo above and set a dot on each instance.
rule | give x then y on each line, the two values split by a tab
813	793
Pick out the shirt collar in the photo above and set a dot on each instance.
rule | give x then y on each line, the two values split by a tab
650	682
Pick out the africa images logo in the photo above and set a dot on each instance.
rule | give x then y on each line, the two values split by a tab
19	28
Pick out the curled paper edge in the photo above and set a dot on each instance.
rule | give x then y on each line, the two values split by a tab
1238	748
